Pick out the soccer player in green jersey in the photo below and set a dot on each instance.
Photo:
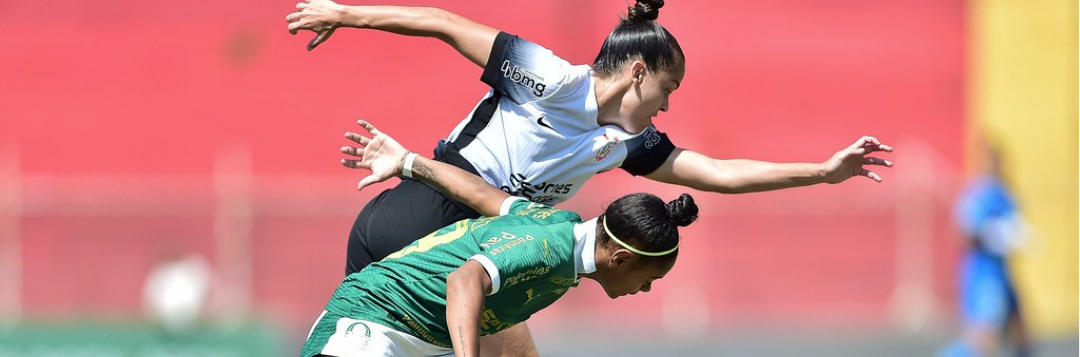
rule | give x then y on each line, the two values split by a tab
438	295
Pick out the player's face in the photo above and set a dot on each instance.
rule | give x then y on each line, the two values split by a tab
636	277
651	94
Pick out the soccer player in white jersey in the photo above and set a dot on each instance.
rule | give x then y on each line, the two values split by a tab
547	126
436	296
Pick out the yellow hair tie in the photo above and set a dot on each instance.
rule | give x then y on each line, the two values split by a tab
635	250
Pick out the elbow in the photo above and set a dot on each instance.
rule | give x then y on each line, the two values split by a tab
727	190
467	281
457	282
440	23
454	280
730	187
455	290
435	13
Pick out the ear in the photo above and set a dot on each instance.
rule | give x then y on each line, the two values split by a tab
619	258
637	71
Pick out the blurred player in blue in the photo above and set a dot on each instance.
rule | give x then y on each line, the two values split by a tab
988	218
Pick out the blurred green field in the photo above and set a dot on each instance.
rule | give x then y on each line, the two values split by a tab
121	339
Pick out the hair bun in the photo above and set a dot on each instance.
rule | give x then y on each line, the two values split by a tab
682	210
647	10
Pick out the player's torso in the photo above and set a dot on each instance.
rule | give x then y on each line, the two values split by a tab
407	289
544	152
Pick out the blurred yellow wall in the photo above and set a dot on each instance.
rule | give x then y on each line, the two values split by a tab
1023	93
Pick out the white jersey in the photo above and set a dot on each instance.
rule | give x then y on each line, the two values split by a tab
535	133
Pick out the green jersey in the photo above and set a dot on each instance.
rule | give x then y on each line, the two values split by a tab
528	253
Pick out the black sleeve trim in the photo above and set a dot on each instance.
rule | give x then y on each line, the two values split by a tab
648	153
493	70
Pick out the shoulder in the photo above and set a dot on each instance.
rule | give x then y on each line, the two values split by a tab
525	72
545	213
647	152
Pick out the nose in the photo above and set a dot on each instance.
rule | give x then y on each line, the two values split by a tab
664	107
645	288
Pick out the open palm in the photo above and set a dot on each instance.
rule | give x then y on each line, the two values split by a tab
380	154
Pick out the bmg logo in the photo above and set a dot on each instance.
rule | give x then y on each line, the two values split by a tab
524	77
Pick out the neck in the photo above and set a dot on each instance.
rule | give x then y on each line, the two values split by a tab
609	96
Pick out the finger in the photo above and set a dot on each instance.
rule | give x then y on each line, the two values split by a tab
868	147
870	174
351	151
353	164
295	27
877	147
302	5
292	16
359	139
356	138
876	161
874	142
859	143
367	126
367	181
320	38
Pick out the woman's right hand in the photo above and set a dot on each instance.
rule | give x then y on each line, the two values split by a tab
380	154
319	16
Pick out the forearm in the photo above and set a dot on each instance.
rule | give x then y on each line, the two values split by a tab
464	301
471	39
745	176
691	169
410	21
463	186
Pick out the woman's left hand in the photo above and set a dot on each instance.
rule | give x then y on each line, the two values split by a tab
850	161
380	153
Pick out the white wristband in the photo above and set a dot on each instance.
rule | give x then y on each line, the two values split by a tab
406	168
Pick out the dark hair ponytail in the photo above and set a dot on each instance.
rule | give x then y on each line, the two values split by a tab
646	223
644	10
682	210
639	37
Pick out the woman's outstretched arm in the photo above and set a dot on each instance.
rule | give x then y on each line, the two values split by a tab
473	40
691	169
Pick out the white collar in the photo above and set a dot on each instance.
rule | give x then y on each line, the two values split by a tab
585	247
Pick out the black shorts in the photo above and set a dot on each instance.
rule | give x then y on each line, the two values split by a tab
397	217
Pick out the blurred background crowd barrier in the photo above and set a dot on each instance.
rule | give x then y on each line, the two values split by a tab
163	160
